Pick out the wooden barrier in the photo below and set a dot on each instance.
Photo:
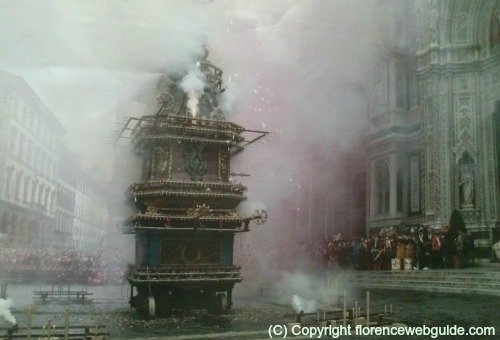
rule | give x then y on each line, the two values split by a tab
50	331
58	294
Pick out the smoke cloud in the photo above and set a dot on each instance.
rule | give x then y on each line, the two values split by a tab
304	291
301	69
5	313
299	304
227	99
193	84
87	60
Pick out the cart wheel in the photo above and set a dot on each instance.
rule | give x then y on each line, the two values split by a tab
221	302
150	306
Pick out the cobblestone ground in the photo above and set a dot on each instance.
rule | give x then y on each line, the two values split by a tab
110	307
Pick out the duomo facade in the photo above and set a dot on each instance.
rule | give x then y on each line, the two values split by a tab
434	135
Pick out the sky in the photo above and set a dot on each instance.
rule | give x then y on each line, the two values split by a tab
298	69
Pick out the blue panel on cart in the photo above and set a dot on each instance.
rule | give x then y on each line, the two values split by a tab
154	250
226	254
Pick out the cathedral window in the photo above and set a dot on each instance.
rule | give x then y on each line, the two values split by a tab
399	190
382	188
494	30
400	88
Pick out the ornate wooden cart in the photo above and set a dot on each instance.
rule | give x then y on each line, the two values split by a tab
186	201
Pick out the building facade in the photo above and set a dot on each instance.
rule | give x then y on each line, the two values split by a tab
432	142
66	199
46	199
91	218
31	136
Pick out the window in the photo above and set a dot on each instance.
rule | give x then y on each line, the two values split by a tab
37	158
43	159
29	155
22	141
45	169
52	199
400	88
26	189
13	139
36	128
24	117
46	199
34	187
41	190
13	103
31	119
51	168
382	187
9	181
17	192
5	222
19	110
399	190
496	131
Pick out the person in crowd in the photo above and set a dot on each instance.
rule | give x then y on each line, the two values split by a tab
355	247
418	257
377	253
447	247
422	250
469	249
409	249
388	252
436	245
400	249
459	261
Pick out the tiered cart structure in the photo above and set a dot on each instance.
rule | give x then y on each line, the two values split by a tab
186	201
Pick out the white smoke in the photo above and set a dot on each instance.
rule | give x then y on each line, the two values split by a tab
113	54
300	304
193	84
5	305
247	208
227	99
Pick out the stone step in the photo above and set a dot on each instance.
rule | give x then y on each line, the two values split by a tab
418	277
432	288
469	281
409	284
440	273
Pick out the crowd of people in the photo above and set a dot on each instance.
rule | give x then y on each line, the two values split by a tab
420	248
437	249
49	257
79	266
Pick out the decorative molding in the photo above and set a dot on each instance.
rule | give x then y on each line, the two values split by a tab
195	160
224	166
